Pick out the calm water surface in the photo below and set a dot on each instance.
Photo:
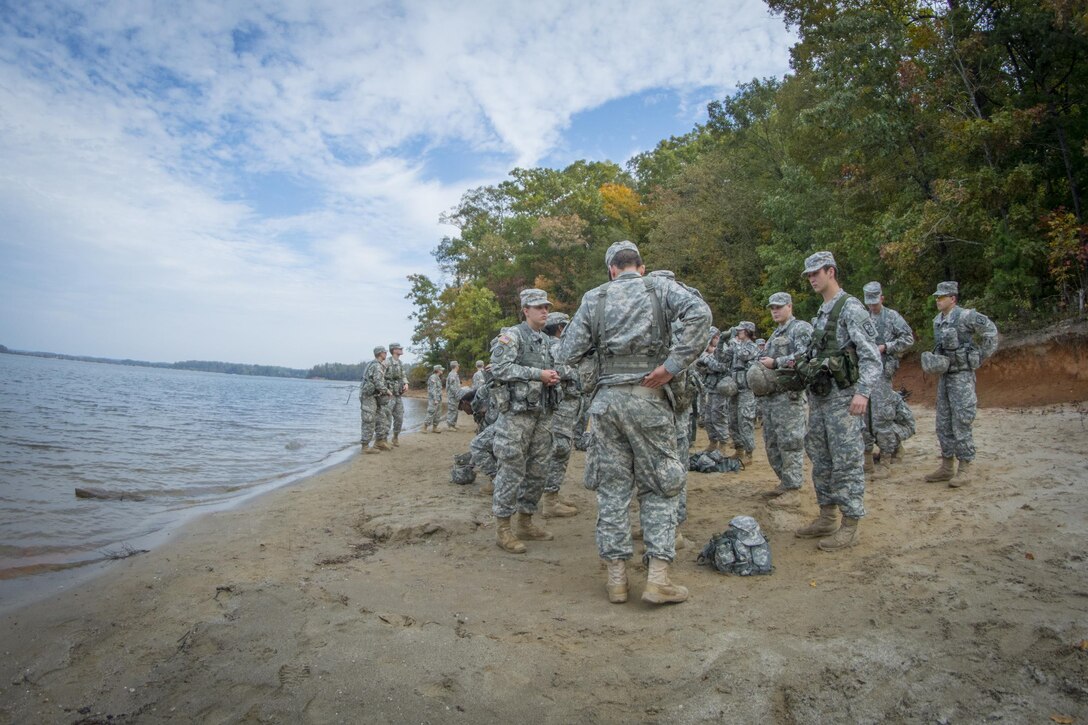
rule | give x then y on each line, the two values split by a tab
181	441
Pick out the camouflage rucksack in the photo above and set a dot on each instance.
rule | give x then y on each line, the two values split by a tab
463	472
741	549
714	462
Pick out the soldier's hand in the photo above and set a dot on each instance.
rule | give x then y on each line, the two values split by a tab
858	404
882	349
768	362
549	377
658	378
404	389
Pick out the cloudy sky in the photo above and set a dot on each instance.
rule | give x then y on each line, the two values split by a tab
252	181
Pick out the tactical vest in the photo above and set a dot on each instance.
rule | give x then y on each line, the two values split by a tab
367	389
824	367
610	364
521	396
962	354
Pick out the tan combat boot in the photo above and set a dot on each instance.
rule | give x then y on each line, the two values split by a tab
713	446
963	475
744	456
868	462
659	590
823	525
396	440
568	503
882	469
789	499
846	536
617	581
681	542
434	428
370	451
505	537
488	488
552	507
381	445
526	529
899	454
944	471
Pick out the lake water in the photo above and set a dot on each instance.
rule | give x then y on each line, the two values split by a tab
182	442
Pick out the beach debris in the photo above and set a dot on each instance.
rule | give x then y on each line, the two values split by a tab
1062	719
101	493
123	553
293	445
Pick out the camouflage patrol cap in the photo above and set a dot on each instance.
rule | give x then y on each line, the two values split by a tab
714	332
438	368
557	318
454	364
947	288
479	363
534	297
873	293
749	326
761	341
379	350
395	346
819	260
616	249
666	273
780	299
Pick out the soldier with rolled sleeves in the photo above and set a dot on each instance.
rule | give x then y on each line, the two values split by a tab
397	383
524	393
840	369
965	338
372	409
893	338
453	394
784	410
715	365
434	400
742	406
646	331
563	421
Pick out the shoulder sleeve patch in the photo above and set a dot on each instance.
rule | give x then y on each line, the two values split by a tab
869	327
505	339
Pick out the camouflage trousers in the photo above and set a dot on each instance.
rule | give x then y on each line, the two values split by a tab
452	400
784	436
396	411
563	421
683	442
879	424
483	453
434	412
522	445
742	420
835	447
716	417
957	406
374	416
633	452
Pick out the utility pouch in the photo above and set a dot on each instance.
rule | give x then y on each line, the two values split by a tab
974	359
500	397
787	380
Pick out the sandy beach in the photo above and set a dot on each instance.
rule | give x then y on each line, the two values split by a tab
373	592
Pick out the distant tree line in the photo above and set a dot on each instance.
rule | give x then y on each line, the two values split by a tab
918	140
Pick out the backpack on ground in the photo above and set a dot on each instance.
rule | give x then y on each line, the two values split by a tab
741	549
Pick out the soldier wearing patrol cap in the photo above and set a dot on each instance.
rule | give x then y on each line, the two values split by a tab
840	369
893	338
397	383
562	425
434	400
742	406
524	393
784	410
453	394
374	404
646	331
966	338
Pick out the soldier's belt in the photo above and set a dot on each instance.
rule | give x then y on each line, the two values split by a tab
619	365
640	390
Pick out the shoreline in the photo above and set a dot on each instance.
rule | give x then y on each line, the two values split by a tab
375	592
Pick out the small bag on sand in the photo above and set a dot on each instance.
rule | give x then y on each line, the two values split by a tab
741	549
714	462
462	475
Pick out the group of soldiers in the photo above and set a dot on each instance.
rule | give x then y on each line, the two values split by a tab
640	358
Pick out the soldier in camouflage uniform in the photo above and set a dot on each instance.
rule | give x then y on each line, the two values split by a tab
840	369
967	338
525	393
646	330
742	406
478	376
784	411
434	400
893	338
373	404
562	426
397	383
715	363
453	394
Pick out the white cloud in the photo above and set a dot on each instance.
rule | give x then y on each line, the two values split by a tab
126	129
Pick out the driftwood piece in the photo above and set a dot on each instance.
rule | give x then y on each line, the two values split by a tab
101	493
